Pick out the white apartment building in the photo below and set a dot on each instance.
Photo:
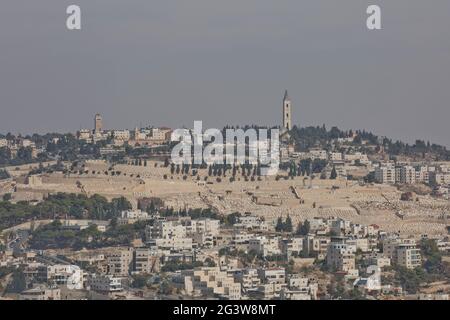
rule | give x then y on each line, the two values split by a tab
272	275
403	252
160	134
85	134
422	174
241	238
318	154
166	229
359	244
335	156
123	135
106	284
408	255
440	178
134	214
204	225
63	274
169	234
249	221
385	174
265	246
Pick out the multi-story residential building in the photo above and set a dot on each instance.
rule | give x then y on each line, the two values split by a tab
145	261
106	284
291	246
85	134
403	252
172	243
335	156
385	174
166	229
241	238
211	281
251	222
248	278
123	135
119	262
160	135
407	175
423	174
203	239
443	245
408	255
318	154
168	234
340	227
359	244
300	288
340	257
315	245
132	216
272	275
439	178
269	291
204	225
62	274
265	246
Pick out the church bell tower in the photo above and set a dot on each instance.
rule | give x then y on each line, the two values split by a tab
287	112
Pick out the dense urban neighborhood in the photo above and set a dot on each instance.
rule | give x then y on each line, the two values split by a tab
106	214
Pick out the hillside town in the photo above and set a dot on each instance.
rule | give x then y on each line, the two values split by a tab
106	214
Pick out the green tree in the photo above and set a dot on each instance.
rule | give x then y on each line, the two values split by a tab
303	228
18	282
7	197
279	226
333	174
139	281
288	224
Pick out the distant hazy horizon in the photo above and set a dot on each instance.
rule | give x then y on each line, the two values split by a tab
170	62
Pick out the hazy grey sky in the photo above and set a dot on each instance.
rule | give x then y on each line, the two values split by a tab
170	62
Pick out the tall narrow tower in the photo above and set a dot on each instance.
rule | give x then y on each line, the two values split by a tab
98	123
287	112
